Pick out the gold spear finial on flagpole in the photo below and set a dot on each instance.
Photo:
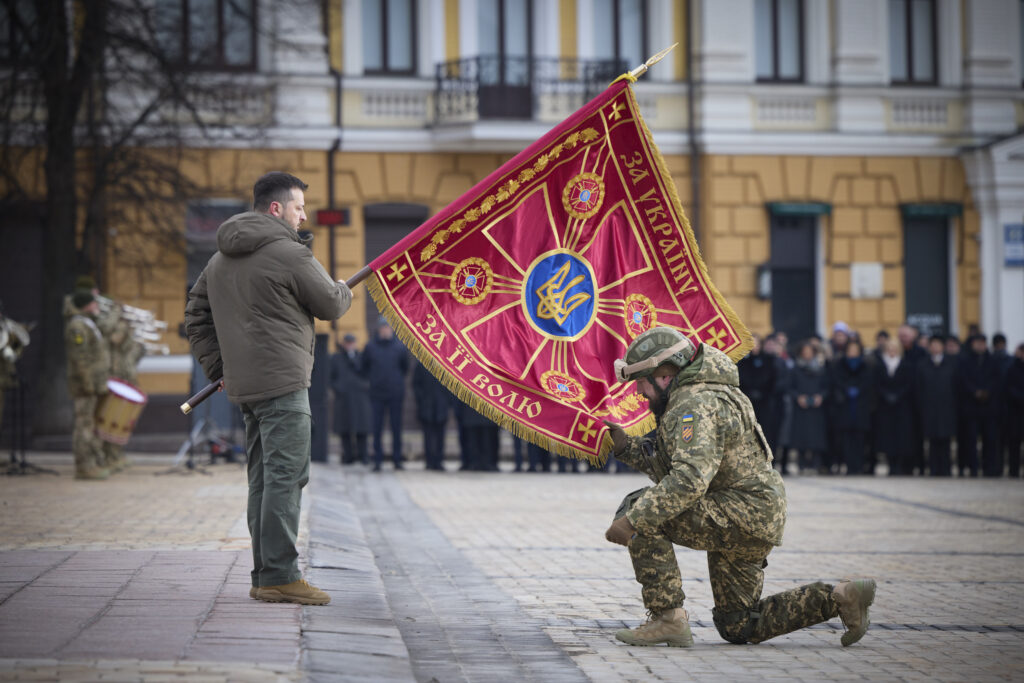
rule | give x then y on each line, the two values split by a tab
631	76
642	69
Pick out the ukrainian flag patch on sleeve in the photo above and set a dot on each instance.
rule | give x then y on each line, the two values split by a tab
688	417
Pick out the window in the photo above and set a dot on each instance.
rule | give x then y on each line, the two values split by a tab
912	54
779	40
16	19
208	34
505	40
389	36
619	30
1021	34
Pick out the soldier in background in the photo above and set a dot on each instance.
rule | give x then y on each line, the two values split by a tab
125	354
352	416
88	370
715	490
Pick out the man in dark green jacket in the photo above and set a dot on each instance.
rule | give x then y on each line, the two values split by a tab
250	320
715	490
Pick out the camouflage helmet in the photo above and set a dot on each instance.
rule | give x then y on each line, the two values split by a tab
651	349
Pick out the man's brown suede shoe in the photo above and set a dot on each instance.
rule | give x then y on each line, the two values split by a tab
253	591
298	592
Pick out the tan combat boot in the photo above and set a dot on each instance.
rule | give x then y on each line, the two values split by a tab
90	472
670	627
297	591
853	598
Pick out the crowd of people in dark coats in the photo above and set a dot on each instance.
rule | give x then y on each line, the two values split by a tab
915	404
912	404
369	389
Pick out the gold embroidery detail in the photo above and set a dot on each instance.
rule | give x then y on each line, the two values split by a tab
506	191
572	198
475	268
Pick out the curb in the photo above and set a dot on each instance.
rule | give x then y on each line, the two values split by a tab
354	638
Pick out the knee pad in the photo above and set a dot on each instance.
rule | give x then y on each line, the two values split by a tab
628	501
736	627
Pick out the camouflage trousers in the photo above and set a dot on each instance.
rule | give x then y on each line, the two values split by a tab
86	446
736	563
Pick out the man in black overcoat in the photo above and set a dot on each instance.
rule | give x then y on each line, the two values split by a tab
935	388
352	417
978	382
433	403
386	364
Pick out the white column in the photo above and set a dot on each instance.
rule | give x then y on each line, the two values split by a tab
996	177
993	43
545	28
991	59
430	35
817	50
585	29
726	52
660	25
861	57
352	39
469	44
949	43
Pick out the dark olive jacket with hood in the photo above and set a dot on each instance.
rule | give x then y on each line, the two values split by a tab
250	314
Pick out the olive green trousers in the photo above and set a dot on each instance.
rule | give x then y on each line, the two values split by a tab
277	445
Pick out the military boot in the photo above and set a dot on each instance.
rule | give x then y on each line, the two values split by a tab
670	627
91	472
853	598
298	592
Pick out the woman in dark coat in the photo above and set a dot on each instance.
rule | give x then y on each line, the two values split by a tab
894	410
433	403
808	390
852	403
935	389
352	416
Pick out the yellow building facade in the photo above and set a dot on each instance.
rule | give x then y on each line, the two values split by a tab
859	156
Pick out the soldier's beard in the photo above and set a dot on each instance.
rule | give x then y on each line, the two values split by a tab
658	405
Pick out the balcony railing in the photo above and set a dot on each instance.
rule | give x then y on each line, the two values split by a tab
541	88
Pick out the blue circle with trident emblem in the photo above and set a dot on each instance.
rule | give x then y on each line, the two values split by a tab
559	295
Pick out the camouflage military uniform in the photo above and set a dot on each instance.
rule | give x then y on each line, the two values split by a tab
125	352
716	491
88	369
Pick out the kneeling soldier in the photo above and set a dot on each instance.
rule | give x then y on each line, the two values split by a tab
715	490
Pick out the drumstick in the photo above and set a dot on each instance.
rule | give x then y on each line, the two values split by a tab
205	393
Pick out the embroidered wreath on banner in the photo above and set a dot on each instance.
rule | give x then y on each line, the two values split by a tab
583	195
471	281
562	386
640	314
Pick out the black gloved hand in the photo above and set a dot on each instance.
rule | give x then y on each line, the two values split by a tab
620	442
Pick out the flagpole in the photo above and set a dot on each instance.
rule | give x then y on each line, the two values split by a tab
639	71
211	388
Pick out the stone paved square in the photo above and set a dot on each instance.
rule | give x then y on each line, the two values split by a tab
947	555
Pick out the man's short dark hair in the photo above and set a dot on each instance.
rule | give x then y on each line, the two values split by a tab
275	186
941	338
998	339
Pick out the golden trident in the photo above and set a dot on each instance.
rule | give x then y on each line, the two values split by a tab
552	304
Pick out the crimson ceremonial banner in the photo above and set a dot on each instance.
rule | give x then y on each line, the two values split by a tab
521	293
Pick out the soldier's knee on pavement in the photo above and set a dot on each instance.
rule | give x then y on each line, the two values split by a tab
736	627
